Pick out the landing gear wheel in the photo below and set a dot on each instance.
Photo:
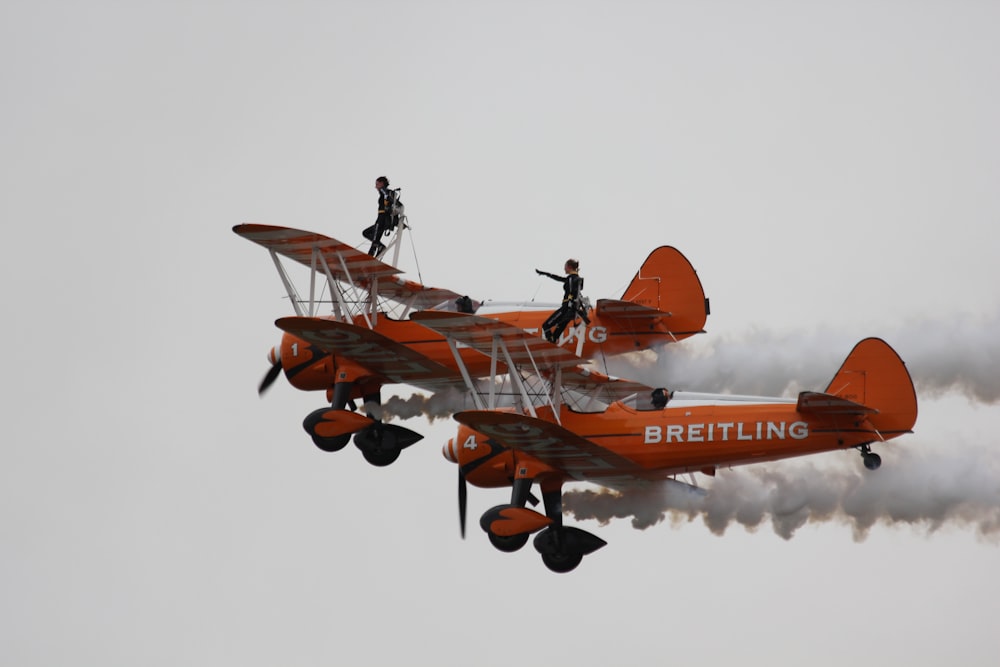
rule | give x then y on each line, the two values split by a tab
508	543
334	444
872	460
379	446
562	561
381	456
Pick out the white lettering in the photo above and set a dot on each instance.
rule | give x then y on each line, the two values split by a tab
470	443
598	334
743	431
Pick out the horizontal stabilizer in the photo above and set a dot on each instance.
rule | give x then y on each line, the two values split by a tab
628	310
815	402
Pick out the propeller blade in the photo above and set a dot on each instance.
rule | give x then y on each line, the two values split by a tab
463	493
272	375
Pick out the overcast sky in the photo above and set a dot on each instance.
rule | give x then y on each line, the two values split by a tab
830	169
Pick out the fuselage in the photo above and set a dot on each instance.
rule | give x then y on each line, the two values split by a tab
655	444
310	368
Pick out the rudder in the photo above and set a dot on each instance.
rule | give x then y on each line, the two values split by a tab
874	375
666	281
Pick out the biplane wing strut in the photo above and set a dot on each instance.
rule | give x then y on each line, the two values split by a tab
359	284
556	367
498	347
517	347
336	261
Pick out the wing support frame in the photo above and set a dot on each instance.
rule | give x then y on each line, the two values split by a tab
293	295
354	287
516	379
476	398
581	335
317	262
336	297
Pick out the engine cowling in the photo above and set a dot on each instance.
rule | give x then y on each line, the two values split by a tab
306	366
484	463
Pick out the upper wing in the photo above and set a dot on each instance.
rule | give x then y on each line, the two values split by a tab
346	263
529	351
525	349
553	445
603	387
415	295
376	352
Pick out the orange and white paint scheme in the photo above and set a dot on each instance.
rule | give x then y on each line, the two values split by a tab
367	340
542	415
870	400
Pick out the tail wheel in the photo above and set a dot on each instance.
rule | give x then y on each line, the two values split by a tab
871	460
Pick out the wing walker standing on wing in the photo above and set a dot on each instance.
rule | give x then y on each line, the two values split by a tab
572	305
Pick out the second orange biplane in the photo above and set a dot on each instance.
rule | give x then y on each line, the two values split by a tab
559	433
367	341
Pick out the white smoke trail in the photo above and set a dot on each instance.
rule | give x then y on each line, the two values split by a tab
923	487
959	355
442	404
439	405
913	487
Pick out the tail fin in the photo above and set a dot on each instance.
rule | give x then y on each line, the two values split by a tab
667	282
875	376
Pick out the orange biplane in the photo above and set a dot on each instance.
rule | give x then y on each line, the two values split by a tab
562	432
366	341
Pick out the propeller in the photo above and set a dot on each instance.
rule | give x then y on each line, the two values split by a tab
463	493
272	373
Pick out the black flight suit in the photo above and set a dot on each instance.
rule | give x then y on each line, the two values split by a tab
557	321
383	223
